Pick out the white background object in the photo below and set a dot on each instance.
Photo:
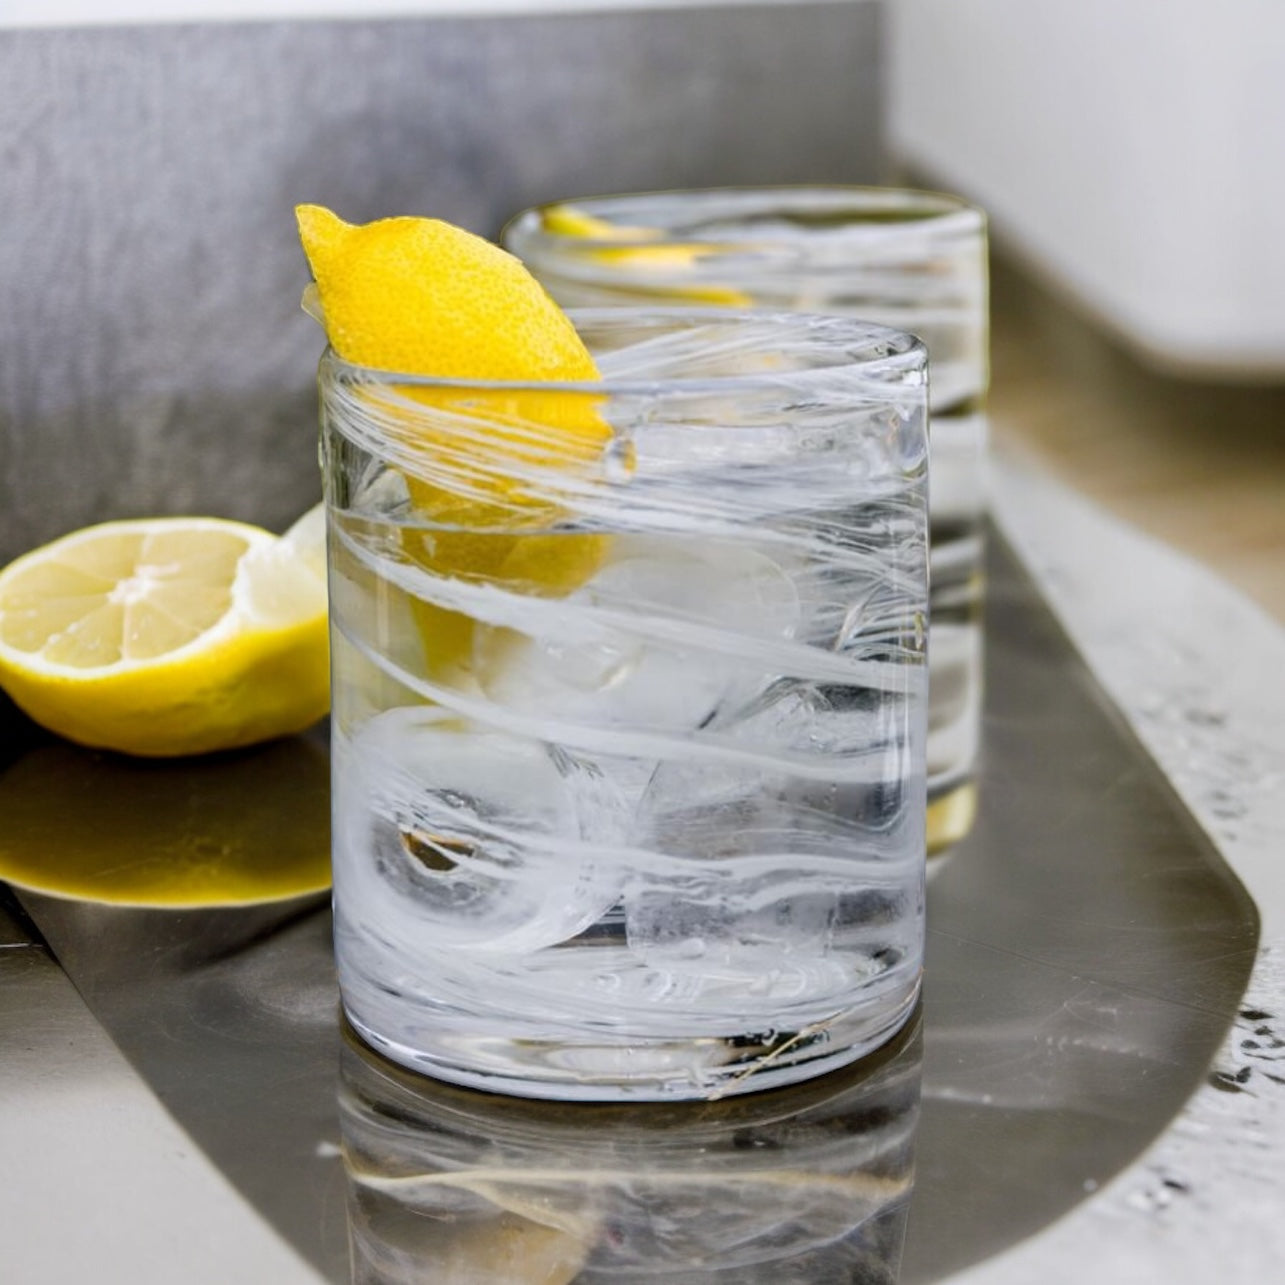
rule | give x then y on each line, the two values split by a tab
1132	149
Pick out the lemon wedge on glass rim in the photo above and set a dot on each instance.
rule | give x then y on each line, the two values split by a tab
417	296
169	636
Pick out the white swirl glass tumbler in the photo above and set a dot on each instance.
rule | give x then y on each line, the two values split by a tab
629	707
913	260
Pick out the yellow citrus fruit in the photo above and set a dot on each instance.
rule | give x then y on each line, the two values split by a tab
423	297
570	220
168	636
418	296
644	267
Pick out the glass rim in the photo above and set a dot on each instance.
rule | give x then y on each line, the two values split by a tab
944	212
882	368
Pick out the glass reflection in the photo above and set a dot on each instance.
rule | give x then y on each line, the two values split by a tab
809	1184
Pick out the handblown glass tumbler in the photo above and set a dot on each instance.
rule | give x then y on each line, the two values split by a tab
629	695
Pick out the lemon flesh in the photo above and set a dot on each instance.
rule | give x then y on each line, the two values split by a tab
166	636
419	296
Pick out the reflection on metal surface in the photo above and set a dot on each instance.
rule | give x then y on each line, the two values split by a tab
1086	952
1087	948
807	1184
170	832
103	1185
230	1016
950	818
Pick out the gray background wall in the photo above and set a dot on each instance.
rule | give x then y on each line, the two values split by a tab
153	358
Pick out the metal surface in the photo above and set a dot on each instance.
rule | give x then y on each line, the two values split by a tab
101	1182
155	356
1087	948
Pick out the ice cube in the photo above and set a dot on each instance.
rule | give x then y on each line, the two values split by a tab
471	838
650	642
762	860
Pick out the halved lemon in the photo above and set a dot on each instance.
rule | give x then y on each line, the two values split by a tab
168	636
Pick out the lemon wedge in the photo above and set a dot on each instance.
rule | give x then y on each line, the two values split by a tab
168	636
418	296
647	267
571	220
423	297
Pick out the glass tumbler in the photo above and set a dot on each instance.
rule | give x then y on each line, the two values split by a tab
913	260
629	699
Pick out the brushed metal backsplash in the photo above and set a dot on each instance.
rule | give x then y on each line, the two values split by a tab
153	358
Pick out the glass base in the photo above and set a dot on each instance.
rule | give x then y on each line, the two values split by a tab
648	1070
951	816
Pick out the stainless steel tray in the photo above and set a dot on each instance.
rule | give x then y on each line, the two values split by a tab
1087	949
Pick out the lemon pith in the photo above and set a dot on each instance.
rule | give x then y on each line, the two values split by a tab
163	637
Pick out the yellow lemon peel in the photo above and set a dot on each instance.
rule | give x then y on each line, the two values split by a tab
418	296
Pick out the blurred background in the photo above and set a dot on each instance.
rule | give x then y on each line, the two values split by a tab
1132	159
